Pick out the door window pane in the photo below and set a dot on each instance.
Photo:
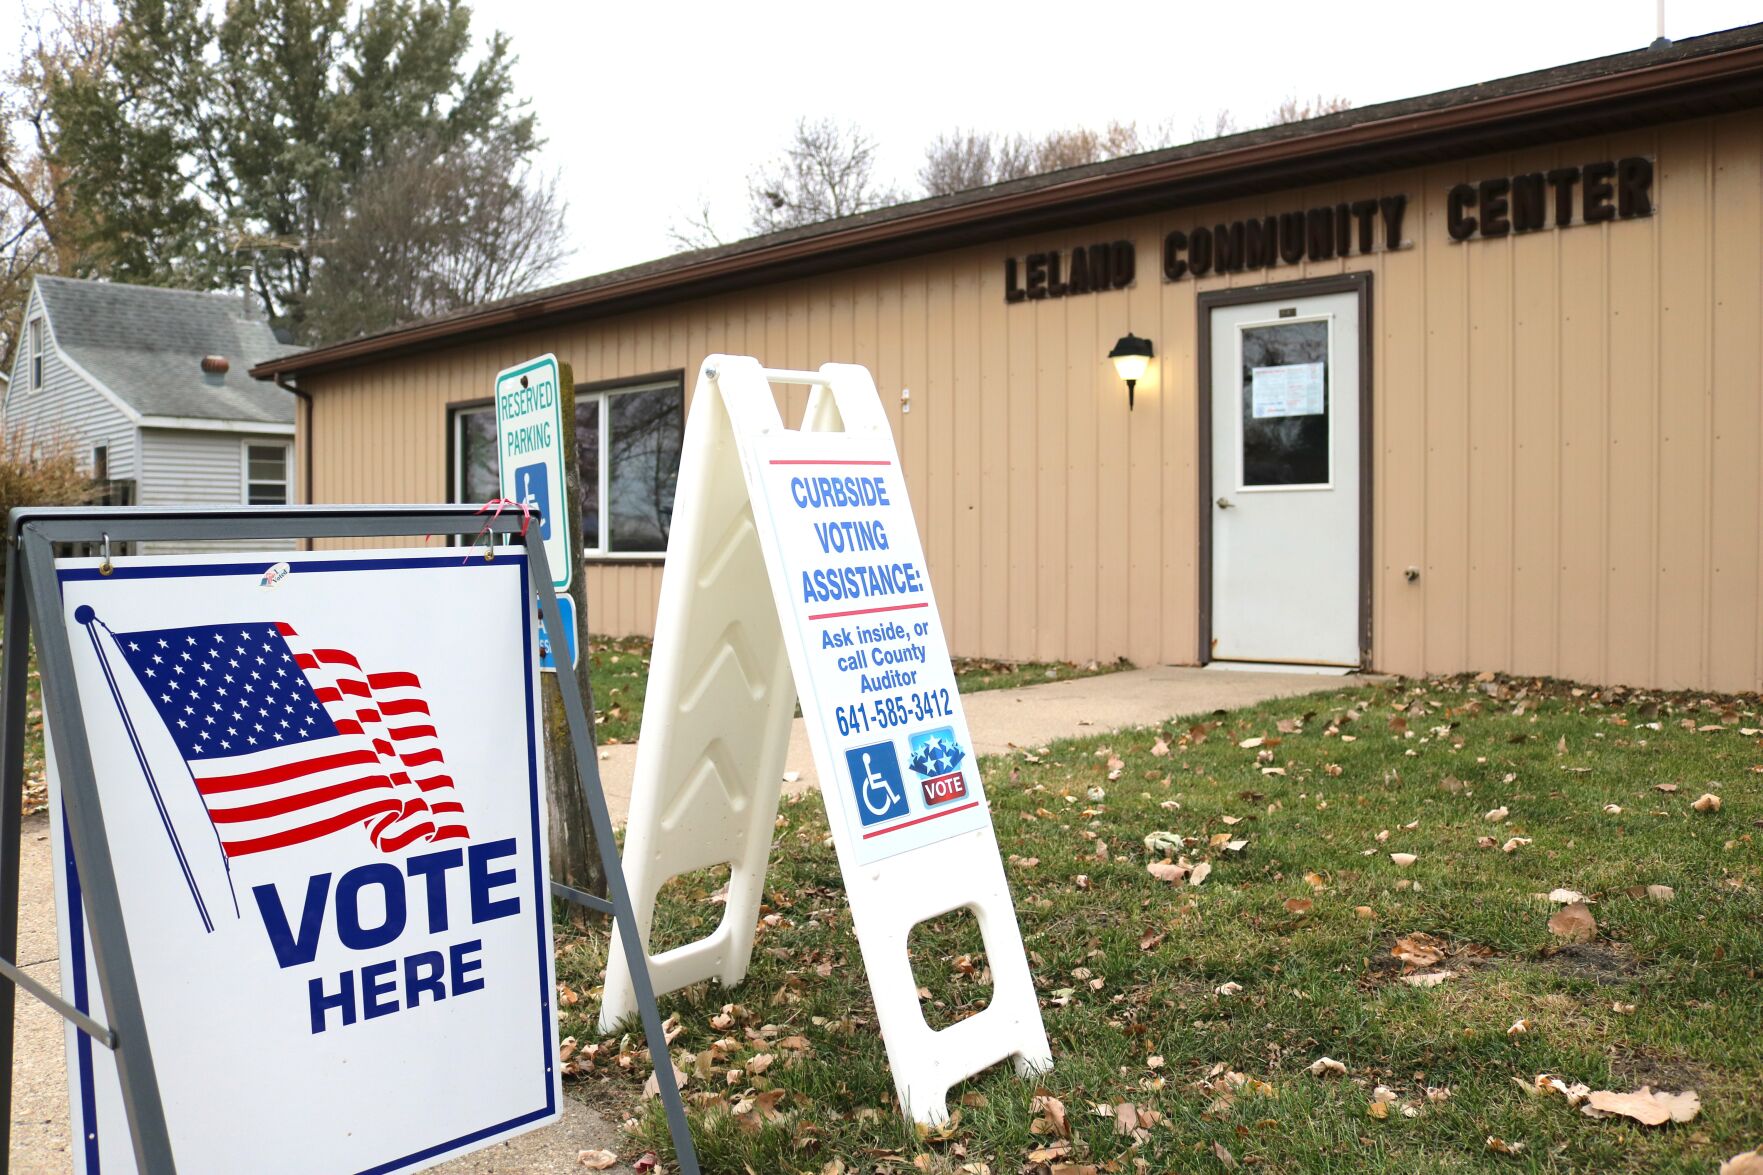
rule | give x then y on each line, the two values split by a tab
1285	402
475	476
645	430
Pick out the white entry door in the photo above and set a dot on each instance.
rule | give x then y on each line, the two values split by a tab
1285	488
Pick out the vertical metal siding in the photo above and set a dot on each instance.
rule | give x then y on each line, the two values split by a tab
1567	429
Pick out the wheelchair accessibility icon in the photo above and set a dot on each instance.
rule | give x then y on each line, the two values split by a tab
876	782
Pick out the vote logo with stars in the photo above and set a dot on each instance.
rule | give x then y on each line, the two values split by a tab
935	756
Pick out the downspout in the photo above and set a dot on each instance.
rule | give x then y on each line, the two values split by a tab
305	398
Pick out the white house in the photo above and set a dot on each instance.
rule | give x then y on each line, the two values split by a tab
152	387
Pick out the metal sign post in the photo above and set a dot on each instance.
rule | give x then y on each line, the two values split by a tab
33	599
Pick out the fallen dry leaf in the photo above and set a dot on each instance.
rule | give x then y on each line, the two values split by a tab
1403	860
1574	922
596	1160
1428	978
1748	1163
1326	1066
1298	905
652	1087
1501	1147
1228	989
1644	1106
1565	896
1547	1083
1166	870
1365	911
1519	1028
1054	1121
1515	844
1201	872
1707	802
1160	748
1661	893
1224	1156
1613	809
1497	815
1250	744
1667	788
1419	950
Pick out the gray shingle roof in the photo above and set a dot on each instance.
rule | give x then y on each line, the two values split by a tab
146	345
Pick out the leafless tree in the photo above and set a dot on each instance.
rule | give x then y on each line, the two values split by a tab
696	229
1220	124
39	226
1295	109
827	171
425	232
964	159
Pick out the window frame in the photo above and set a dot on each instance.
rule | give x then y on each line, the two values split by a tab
36	349
601	392
101	462
245	478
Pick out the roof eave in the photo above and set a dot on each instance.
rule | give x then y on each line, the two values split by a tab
1649	92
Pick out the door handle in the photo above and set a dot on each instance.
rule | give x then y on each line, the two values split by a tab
1225	504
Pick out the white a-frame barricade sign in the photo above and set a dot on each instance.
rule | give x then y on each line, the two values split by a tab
794	561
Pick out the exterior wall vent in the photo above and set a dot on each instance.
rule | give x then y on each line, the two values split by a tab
214	364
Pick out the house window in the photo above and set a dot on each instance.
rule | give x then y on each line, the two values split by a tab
627	445
266	475
474	476
100	462
36	353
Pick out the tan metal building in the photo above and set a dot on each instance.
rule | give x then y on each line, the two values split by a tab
1471	381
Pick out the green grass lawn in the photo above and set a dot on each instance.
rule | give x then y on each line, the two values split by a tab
620	675
1204	1006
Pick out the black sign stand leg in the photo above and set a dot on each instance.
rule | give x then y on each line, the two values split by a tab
13	694
33	601
581	733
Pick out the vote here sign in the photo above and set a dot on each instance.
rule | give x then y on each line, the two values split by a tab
320	780
878	678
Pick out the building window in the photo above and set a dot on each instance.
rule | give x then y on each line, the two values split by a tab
266	475
474	476
100	462
627	446
36	353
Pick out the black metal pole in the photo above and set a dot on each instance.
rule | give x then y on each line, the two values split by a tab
14	689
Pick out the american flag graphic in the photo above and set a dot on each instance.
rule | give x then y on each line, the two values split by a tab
287	744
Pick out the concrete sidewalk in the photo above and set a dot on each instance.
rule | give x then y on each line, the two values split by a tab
1034	715
999	720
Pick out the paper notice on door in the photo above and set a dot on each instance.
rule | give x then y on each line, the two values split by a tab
1292	390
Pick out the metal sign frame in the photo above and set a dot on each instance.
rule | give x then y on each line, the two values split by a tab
33	609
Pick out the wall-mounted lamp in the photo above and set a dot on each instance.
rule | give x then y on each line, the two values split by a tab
1131	355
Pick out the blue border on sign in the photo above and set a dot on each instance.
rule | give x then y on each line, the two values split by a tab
541	892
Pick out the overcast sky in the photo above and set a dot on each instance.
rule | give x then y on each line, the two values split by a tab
651	109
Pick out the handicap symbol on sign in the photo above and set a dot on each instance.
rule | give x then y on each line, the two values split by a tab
533	484
876	782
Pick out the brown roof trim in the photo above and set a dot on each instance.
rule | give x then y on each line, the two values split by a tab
1661	85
